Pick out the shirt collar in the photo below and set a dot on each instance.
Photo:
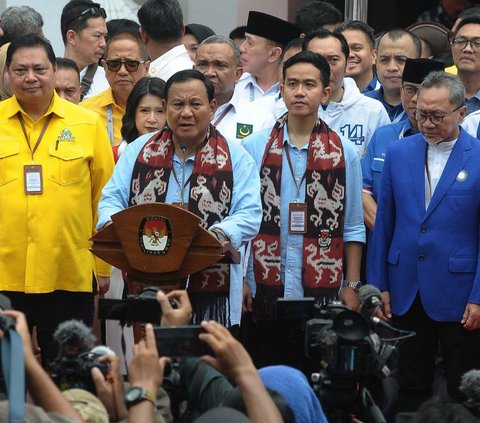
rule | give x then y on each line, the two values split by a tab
14	107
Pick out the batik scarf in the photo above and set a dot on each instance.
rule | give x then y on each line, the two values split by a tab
323	240
211	185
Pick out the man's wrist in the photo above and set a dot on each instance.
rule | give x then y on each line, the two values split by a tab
355	285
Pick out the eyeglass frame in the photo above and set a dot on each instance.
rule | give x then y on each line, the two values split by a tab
94	11
429	117
410	87
124	63
467	41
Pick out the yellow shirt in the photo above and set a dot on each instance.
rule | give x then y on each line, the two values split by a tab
101	103
44	238
452	69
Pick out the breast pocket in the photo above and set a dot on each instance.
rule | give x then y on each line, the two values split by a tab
66	164
9	161
377	165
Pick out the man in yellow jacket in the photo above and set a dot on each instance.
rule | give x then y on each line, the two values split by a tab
55	158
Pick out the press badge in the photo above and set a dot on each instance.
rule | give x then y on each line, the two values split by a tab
33	179
297	218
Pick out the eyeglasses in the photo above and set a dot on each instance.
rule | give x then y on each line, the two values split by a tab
410	89
435	119
130	65
93	11
462	42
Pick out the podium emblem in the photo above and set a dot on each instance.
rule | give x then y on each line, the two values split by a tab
155	235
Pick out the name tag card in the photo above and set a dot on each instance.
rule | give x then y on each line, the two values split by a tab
32	175
297	218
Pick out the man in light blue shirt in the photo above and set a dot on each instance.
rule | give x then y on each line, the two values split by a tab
190	128
305	86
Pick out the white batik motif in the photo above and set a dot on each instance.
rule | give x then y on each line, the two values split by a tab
322	263
319	151
217	272
208	156
322	202
268	259
154	188
162	150
270	197
206	203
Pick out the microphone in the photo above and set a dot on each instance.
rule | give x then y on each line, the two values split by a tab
371	301
73	338
183	146
470	388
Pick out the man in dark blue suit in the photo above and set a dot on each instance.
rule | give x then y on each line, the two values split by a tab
425	256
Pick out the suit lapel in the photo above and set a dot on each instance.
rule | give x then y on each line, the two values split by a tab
458	157
417	172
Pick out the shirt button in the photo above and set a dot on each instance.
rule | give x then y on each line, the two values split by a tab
289	270
423	229
290	248
421	257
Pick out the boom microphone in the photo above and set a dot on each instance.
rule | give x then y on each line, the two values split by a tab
470	388
73	338
371	300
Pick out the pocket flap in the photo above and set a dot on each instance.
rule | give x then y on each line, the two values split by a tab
66	152
377	165
393	255
9	148
462	264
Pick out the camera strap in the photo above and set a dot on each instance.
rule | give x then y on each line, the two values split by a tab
13	368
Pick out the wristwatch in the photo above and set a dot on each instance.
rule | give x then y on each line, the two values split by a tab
220	235
137	394
355	285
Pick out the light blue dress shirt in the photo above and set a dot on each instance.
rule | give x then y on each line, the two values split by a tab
292	244
241	224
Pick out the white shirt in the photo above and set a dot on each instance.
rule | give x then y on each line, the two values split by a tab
242	119
99	82
437	157
248	89
174	60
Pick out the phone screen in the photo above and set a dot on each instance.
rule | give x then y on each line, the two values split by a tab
181	341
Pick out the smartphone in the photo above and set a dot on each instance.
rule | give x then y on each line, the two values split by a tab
181	341
295	308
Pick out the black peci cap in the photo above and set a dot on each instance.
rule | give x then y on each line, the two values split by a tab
271	27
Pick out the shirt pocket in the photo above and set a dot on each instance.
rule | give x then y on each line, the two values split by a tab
65	164
377	165
9	161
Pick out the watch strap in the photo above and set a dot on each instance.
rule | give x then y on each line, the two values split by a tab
144	395
355	285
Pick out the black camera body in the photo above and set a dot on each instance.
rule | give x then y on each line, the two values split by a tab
75	372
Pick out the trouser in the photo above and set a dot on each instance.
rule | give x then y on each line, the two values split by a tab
416	366
47	311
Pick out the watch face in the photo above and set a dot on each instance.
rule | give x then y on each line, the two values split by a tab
134	394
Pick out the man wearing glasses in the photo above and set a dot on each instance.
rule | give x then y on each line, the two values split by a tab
425	251
466	57
414	72
83	31
126	62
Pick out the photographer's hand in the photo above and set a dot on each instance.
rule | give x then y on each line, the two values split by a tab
385	312
233	360
350	298
180	316
145	371
111	391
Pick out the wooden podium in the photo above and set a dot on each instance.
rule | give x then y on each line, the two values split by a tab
159	244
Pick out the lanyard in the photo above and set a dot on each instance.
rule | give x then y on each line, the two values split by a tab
298	186
220	118
39	140
110	124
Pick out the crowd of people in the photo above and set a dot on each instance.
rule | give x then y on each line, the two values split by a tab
330	156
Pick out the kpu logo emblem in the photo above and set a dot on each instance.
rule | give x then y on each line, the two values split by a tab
155	235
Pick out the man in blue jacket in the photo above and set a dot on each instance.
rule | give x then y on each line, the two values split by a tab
426	242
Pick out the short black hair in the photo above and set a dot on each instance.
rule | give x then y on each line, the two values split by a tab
64	63
470	19
397	33
358	26
188	75
73	17
325	33
30	41
116	26
314	59
162	20
19	20
315	14
147	85
238	32
295	43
